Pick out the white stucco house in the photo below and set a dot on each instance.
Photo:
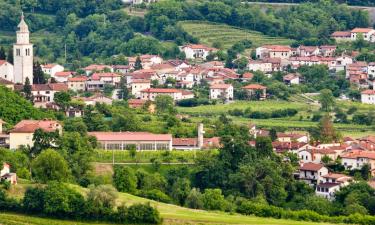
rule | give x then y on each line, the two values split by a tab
197	51
6	70
221	91
312	173
368	96
52	69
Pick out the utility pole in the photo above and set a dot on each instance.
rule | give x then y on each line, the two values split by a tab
65	51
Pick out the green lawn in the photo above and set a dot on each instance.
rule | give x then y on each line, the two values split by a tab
208	33
18	219
171	214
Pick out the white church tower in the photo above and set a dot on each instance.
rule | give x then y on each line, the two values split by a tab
23	54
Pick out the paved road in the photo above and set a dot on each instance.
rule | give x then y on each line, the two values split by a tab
371	10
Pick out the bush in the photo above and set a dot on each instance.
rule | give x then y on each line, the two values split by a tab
213	199
156	195
143	213
33	200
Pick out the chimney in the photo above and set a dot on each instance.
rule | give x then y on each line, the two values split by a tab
200	135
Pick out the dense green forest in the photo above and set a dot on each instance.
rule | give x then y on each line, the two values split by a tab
98	30
349	2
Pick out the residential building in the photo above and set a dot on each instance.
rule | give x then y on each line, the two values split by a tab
23	132
306	51
52	69
327	50
43	94
147	61
259	65
62	77
355	159
197	51
94	85
176	94
274	51
291	78
138	85
340	36
7	83
97	68
122	69
6	70
23	54
368	34
332	182
312	173
368	96
221	91
292	137
107	78
124	140
256	91
371	70
6	175
77	83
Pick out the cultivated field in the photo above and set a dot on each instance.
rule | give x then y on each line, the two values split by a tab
301	121
208	33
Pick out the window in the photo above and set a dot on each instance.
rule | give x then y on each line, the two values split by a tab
18	52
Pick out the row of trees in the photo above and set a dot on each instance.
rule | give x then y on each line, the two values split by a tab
310	21
58	200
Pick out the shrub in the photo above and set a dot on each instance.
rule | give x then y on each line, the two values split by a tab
213	199
143	213
156	195
62	201
33	200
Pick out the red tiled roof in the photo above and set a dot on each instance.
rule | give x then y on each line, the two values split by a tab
2	62
161	90
140	81
359	154
361	30
341	34
97	76
220	86
77	79
130	136
278	48
248	75
96	67
311	166
185	142
199	46
29	126
255	87
5	82
368	92
50	87
63	74
48	66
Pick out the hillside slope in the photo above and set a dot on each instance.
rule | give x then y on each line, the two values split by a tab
14	108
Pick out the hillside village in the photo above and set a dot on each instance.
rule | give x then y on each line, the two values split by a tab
87	108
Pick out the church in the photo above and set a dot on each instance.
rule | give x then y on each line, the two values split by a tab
22	57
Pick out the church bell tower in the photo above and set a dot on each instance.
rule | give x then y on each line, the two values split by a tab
23	54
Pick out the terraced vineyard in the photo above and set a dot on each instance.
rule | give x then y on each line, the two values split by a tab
208	33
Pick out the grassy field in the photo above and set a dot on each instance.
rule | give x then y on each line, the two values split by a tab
171	214
208	33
